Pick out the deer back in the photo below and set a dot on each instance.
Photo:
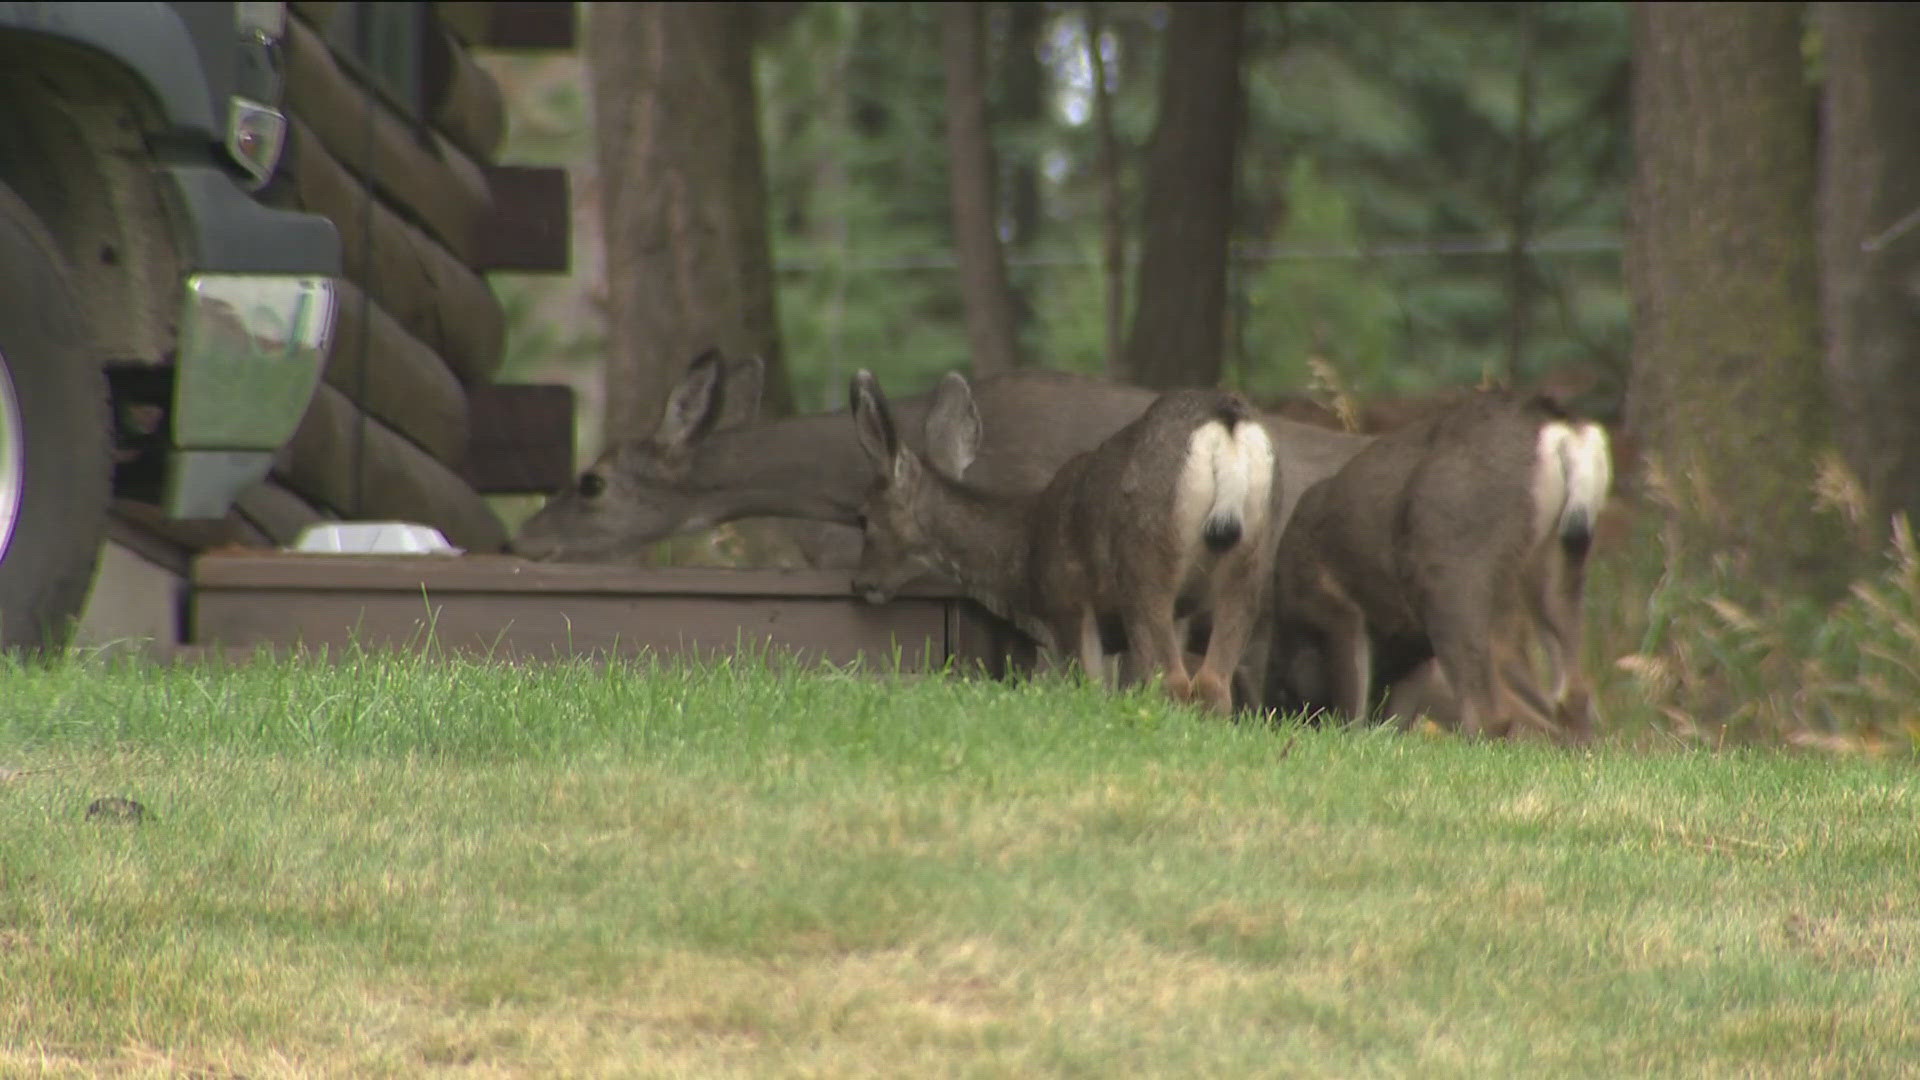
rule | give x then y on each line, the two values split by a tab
1452	487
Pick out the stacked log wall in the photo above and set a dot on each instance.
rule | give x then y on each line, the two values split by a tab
419	329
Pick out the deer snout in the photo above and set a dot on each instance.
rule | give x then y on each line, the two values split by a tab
876	585
873	592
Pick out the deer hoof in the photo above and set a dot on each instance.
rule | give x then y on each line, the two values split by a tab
1576	730
1575	720
1209	689
1178	686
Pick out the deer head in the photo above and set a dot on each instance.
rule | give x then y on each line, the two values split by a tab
899	514
644	488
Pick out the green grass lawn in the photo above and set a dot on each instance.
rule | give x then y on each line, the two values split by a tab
389	866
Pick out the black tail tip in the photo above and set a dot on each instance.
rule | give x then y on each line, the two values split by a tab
1221	534
1576	534
1231	409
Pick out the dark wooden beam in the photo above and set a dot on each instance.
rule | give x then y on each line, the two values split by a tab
531	228
522	438
500	607
552	26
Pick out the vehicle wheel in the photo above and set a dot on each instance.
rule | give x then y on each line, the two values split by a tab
55	444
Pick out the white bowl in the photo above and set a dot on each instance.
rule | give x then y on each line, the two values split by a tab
373	538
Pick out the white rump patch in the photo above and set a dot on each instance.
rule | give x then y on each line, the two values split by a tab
1226	484
1572	471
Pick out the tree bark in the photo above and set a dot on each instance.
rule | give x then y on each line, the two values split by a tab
1024	80
1520	198
689	260
1113	228
984	289
1726	392
1178	336
1870	245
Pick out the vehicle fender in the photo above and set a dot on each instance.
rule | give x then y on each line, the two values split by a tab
149	39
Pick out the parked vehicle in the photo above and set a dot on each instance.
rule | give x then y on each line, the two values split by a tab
161	330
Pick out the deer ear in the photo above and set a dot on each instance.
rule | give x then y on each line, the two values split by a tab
694	404
906	469
953	427
872	420
744	382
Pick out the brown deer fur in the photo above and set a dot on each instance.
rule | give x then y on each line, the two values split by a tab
1175	506
1437	540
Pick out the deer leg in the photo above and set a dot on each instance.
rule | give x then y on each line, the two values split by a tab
1236	599
1553	594
1345	649
1134	666
1349	662
1514	668
1421	692
1153	646
1460	623
1471	673
1525	695
1093	655
1255	658
1424	691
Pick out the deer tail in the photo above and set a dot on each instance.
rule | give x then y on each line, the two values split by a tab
1573	472
1228	479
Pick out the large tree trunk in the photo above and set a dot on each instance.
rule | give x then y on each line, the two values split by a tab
976	226
1522	178
1726	390
1870	244
1023	81
1113	226
1180	307
683	196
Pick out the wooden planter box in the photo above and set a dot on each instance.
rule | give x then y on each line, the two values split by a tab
507	607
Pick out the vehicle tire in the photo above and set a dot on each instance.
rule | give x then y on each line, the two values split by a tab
55	440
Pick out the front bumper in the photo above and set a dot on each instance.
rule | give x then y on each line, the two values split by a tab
256	322
250	353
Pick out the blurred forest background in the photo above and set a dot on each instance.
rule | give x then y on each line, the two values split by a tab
1426	194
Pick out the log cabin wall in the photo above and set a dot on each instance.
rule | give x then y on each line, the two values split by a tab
394	134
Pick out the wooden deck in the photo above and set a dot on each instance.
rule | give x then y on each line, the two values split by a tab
511	608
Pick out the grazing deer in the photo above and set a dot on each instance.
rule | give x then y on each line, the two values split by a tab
708	461
1436	541
645	489
1173	507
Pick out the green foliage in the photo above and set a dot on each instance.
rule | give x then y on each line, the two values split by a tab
1372	130
1411	115
853	103
1338	309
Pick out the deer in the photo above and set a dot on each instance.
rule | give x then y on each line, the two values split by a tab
1445	540
710	460
1170	511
